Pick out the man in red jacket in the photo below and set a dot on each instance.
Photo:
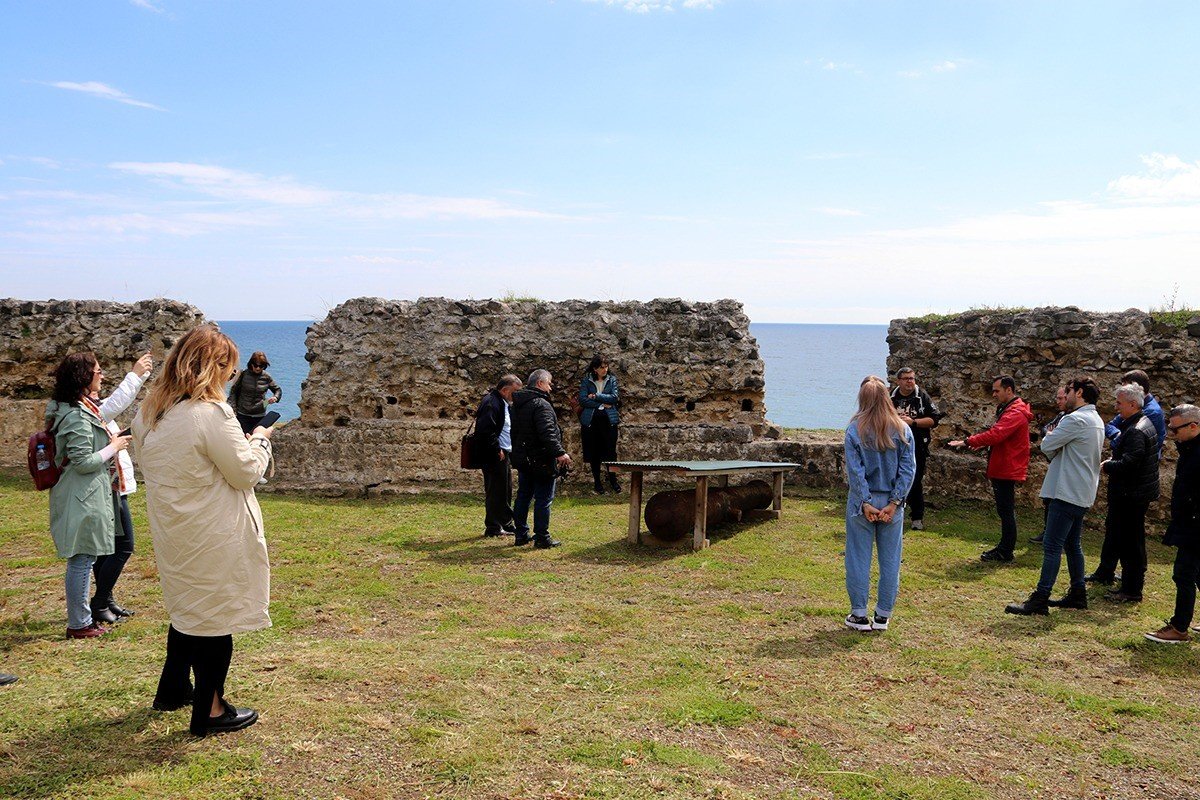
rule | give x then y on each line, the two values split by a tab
1008	459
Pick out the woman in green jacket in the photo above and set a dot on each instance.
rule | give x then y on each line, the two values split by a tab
82	503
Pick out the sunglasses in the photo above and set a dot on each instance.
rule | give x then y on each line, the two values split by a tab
1177	428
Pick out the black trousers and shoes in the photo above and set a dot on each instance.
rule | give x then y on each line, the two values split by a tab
498	493
600	445
207	657
916	495
1186	575
107	569
1005	493
1124	542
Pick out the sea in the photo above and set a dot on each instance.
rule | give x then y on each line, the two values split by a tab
812	371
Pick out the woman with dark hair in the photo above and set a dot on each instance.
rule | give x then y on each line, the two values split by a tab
200	471
248	394
598	401
83	502
881	463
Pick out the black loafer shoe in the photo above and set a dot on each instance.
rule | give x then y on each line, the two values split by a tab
1103	580
521	541
234	719
119	611
161	704
546	544
996	555
103	615
6	679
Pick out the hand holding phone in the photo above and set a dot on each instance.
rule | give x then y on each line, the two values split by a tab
269	420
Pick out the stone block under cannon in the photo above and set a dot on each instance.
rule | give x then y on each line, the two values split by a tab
671	515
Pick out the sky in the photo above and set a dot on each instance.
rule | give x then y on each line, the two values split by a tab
819	160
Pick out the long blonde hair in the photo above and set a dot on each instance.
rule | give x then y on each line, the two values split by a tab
197	368
877	418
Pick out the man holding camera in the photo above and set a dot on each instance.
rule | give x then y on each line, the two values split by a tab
537	455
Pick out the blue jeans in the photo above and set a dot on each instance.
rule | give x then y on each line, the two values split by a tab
1064	529
107	569
539	488
79	576
861	538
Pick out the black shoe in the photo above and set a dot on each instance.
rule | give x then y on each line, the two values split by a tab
598	487
492	534
545	542
1095	577
173	705
118	610
614	484
6	679
996	554
1037	603
1076	597
1037	539
1122	597
510	529
234	719
102	614
521	540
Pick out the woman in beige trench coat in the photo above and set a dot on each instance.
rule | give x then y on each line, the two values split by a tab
200	470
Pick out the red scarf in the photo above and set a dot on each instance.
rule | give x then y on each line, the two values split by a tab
114	472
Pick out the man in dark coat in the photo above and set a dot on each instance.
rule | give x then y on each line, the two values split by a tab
916	408
537	456
493	440
1183	531
1132	487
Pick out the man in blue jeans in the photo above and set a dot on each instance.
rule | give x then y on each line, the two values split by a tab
1071	482
537	455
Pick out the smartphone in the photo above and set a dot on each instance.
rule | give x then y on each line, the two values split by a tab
126	432
270	419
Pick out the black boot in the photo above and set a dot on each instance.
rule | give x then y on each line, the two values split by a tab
1076	597
545	542
613	483
1038	603
100	613
597	486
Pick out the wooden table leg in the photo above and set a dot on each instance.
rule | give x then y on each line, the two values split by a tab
699	538
635	508
777	503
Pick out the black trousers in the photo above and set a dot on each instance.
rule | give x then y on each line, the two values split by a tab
916	495
1005	493
206	656
248	423
1186	576
1125	541
497	493
107	569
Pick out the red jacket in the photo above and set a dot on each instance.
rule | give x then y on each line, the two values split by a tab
1008	439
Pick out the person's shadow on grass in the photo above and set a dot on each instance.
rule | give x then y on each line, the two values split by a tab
52	761
818	644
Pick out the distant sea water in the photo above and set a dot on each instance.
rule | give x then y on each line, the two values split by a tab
812	371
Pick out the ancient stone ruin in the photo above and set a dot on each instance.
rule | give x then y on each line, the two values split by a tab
36	334
956	356
393	385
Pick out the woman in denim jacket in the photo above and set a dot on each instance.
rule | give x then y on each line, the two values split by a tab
880	465
598	415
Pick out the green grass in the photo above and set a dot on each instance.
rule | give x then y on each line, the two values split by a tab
411	657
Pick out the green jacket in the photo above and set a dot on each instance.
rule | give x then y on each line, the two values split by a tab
81	503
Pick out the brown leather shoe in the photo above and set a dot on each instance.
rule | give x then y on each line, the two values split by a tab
1168	635
90	632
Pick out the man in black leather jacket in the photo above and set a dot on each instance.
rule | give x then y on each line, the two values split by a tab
1132	487
537	456
1183	425
493	438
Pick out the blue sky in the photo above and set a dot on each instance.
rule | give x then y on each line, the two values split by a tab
820	161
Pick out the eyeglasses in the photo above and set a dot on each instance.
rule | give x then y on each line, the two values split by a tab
1177	428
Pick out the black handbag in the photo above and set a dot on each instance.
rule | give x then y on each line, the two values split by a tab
467	457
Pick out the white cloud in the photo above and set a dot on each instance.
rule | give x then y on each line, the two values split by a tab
1167	179
229	184
839	212
146	4
103	90
942	67
945	66
648	6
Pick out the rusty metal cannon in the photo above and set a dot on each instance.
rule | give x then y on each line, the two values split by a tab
671	515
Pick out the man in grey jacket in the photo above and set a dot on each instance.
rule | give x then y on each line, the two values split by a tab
1071	482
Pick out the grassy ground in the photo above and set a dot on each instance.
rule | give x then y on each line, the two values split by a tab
412	658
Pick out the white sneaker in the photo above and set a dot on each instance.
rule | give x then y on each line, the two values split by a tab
918	525
858	623
879	623
262	481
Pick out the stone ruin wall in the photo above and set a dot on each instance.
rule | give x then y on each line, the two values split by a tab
35	335
956	356
393	385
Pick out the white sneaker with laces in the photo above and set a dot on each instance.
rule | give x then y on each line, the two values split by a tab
879	623
918	525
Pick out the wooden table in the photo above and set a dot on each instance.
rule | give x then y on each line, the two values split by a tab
701	471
